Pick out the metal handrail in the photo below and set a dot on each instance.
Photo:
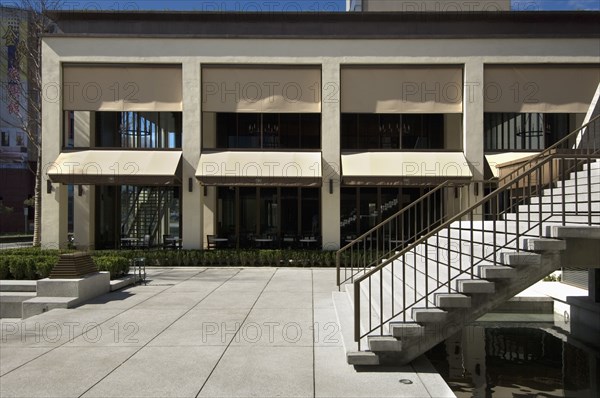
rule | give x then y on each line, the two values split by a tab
548	151
521	183
379	230
470	215
365	235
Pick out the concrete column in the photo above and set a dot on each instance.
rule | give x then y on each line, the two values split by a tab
191	214
84	215
209	140
473	105
473	148
330	144
54	204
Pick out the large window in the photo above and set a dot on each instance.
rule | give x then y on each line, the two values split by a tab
151	130
5	138
365	207
129	216
262	130
370	131
525	131
267	216
138	129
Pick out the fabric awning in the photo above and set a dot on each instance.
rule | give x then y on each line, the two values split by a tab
404	168
247	168
114	167
261	89
506	159
122	88
540	88
402	89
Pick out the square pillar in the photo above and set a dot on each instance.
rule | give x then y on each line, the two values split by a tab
192	202
331	157
54	196
84	205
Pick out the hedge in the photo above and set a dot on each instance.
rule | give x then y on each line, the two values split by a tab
34	263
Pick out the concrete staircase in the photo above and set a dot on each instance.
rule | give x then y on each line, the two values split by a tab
12	296
451	278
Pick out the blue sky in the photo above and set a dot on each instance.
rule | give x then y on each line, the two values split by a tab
290	5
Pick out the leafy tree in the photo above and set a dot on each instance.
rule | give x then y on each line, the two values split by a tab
23	82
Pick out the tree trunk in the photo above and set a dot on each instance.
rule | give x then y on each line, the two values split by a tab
37	212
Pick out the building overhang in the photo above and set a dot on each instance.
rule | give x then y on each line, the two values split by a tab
327	25
404	168
499	163
252	168
117	167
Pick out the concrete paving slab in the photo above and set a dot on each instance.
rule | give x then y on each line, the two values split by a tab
288	285
202	327
13	357
160	372
224	299
63	372
122	299
167	300
132	328
258	371
297	299
332	379
327	328
322	299
52	328
174	336
324	280
276	327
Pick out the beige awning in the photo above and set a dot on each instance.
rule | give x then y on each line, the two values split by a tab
302	169
112	167
261	89
402	89
404	168
119	88
498	161
543	88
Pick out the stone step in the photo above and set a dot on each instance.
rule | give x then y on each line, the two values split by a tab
359	358
568	190
594	172
495	272
429	315
384	344
452	300
544	244
406	331
557	218
11	303
579	181
17	286
570	231
568	198
475	286
518	259
38	305
592	165
556	208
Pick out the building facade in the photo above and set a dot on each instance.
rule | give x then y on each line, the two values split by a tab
292	130
17	155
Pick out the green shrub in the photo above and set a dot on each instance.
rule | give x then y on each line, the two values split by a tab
115	265
44	265
4	269
22	267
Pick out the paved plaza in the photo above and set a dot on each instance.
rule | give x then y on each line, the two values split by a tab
207	332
